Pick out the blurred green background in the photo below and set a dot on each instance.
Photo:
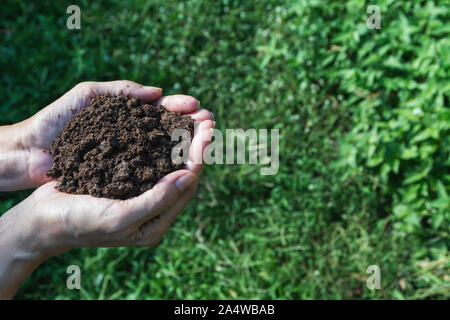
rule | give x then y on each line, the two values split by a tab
364	120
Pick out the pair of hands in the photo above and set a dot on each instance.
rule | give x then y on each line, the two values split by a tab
54	221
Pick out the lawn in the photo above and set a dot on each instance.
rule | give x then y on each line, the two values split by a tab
364	123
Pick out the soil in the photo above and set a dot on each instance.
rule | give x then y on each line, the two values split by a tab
117	147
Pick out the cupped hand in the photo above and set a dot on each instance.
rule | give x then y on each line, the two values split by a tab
41	129
64	221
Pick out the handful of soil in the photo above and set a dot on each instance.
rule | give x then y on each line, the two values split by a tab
116	147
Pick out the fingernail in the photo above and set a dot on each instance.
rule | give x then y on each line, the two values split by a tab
185	182
153	88
212	115
214	124
198	102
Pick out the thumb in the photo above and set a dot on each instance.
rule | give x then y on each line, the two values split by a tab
124	87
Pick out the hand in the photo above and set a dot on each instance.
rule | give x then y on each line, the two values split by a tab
27	157
63	221
50	222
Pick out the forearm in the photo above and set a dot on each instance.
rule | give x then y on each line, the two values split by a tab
14	158
20	250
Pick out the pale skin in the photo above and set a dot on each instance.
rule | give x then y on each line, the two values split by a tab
50	222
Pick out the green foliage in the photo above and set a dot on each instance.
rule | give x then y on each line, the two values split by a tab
364	120
402	124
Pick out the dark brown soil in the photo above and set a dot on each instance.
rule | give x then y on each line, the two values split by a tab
117	147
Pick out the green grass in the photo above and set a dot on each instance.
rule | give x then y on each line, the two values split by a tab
364	176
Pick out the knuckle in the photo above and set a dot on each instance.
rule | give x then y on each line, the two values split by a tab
124	86
84	88
84	85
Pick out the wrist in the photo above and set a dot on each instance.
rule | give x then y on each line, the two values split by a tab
43	233
21	250
14	157
20	229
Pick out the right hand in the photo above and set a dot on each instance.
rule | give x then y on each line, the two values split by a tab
63	221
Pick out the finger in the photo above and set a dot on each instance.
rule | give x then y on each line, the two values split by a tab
202	126
150	243
127	88
153	230
178	103
156	200
40	161
199	143
61	110
201	115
